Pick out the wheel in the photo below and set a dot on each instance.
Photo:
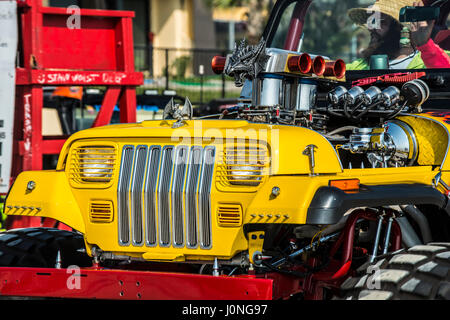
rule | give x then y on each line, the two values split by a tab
39	247
422	272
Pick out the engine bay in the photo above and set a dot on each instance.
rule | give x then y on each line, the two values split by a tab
357	113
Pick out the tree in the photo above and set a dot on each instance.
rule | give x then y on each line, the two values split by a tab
257	16
328	30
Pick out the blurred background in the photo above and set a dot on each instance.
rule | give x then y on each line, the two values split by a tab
175	40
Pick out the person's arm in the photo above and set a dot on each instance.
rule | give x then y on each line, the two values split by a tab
434	56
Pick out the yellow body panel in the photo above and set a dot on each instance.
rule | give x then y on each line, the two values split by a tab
52	197
70	202
281	140
432	138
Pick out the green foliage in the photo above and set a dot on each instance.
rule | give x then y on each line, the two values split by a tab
181	65
328	30
225	3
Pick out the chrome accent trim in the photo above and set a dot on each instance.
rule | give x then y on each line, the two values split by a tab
192	181
150	190
137	223
204	197
179	176
123	190
165	179
412	135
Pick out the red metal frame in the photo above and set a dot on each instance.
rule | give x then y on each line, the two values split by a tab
130	285
100	53
296	25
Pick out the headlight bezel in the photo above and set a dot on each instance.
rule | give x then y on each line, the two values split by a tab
245	167
92	165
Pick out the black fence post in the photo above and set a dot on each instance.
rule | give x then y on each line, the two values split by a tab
150	59
167	68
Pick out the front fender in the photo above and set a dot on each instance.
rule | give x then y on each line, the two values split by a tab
330	204
50	198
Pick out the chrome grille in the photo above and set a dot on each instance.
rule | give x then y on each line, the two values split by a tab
164	196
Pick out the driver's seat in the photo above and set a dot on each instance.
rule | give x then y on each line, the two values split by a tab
441	34
442	39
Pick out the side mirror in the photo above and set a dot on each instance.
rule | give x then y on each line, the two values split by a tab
414	14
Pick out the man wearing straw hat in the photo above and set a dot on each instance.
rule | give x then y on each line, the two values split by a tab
406	48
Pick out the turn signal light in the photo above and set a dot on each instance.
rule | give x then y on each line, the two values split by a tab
218	64
302	63
335	69
345	185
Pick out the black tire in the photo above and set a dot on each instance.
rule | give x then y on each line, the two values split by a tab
420	273
38	247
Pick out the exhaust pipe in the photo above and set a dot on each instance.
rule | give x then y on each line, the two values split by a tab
218	64
318	66
302	63
335	68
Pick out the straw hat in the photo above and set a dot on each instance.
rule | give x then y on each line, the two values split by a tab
388	7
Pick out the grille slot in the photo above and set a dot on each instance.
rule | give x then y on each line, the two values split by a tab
123	196
181	158
92	164
101	211
150	194
193	177
136	194
164	196
204	198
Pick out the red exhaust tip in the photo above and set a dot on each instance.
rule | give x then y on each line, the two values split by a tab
302	63
318	66
218	64
335	69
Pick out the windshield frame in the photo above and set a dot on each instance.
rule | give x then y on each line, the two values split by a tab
296	25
